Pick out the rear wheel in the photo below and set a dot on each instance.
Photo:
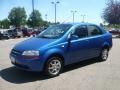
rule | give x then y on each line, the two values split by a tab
53	66
104	54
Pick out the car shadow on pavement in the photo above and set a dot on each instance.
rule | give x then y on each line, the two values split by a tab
14	75
80	64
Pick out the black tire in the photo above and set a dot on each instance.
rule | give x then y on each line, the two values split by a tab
104	54
49	72
7	38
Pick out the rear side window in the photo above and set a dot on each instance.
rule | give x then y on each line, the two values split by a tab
94	30
81	31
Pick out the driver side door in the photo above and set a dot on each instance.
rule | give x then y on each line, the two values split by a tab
78	48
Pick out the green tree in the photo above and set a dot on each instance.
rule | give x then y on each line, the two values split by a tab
111	13
5	23
17	16
45	23
35	19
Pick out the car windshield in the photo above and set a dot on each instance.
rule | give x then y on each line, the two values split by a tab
55	32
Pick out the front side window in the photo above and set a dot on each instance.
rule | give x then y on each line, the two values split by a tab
56	31
94	30
81	31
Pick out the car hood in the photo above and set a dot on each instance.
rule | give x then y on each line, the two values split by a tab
33	44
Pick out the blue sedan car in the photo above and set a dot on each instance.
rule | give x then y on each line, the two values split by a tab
61	45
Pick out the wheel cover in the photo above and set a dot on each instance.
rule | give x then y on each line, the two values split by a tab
54	67
104	54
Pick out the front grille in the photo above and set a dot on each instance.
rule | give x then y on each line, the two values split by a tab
16	52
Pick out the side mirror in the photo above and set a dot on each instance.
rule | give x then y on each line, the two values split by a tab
69	37
72	37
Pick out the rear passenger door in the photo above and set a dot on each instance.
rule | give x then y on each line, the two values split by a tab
96	39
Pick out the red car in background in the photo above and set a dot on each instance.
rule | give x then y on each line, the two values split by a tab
27	32
115	32
38	31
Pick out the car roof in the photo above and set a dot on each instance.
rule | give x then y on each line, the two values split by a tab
81	23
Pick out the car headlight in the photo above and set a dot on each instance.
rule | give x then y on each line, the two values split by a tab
31	54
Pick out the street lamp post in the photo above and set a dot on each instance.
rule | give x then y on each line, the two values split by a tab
73	12
33	12
46	16
83	17
55	3
33	5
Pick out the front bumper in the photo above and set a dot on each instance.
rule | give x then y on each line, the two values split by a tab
28	65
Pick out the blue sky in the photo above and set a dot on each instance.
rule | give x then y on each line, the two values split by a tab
91	8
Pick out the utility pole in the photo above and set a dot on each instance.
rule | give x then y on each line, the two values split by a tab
55	5
46	16
73	12
33	5
83	17
33	12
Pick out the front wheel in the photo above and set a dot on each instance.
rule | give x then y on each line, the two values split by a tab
104	54
53	66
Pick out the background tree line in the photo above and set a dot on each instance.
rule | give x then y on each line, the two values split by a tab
18	17
111	14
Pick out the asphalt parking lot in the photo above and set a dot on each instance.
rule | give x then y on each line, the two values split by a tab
87	75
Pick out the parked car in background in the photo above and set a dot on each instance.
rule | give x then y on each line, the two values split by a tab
27	32
61	45
1	36
6	35
115	32
38	31
11	33
18	32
